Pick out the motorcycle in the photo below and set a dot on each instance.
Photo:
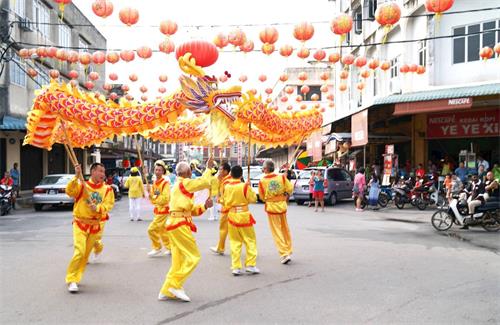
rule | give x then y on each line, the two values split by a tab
486	215
403	193
116	191
428	194
386	195
382	199
6	199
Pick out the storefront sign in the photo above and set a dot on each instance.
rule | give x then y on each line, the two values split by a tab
315	146
432	106
240	153
331	147
464	124
389	149
359	128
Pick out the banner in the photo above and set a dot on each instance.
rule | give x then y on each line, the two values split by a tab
240	156
359	128
464	124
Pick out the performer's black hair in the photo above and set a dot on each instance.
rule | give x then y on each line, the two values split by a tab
95	165
225	166
236	171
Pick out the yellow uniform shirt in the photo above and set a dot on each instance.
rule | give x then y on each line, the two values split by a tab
214	186
135	187
237	196
272	190
159	196
223	183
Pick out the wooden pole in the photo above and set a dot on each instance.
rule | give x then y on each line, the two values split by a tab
295	152
144	175
249	150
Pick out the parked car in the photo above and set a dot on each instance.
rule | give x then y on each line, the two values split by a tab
52	191
340	184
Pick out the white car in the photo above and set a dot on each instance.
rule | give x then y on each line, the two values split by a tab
52	191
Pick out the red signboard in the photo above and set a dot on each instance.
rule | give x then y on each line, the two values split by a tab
464	124
359	128
431	106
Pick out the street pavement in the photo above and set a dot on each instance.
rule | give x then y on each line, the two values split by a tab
374	267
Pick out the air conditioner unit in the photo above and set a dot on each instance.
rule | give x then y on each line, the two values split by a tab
394	86
26	25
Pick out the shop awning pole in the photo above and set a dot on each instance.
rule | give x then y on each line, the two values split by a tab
364	156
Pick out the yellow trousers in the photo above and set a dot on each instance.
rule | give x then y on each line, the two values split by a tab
98	245
83	242
237	237
185	258
281	233
223	230
157	232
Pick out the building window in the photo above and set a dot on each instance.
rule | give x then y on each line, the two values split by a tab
312	90
394	67
375	80
169	149
422	53
358	20
19	7
372	7
41	16
235	149
64	36
42	78
467	41
17	74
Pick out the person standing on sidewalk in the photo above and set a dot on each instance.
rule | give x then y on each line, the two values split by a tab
358	190
135	193
224	177
180	227
319	191
93	201
237	196
15	174
274	190
159	195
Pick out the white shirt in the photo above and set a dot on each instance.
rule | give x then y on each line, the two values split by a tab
484	163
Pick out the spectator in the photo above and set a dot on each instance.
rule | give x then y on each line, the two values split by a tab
492	187
496	171
447	186
481	173
374	192
420	172
462	172
15	174
446	167
319	191
431	167
7	180
482	162
311	189
358	189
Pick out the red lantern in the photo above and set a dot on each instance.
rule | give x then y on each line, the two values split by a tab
289	90
32	72
268	91
360	61
167	46
73	57
205	53
286	50
133	77
223	78
365	74
324	76
247	46
388	14
143	89
236	37
221	40
298	99
127	55
420	69
386	65
41	52
334	58
303	31
163	78
323	89
243	78
253	91
144	52
25	53
289	107
283	77
331	105
262	78
162	90
373	64
319	55
348	59
486	52
61	55
93	76
144	98
315	97
404	68
330	96
269	100
113	96
62	3
342	87
497	49
51	52
102	8
85	58
129	97
126	163
125	88
89	85
303	106
413	67
344	74
360	86
113	76
303	53
107	87
168	27
304	89
438	6
341	25
54	74
302	76
98	57
269	35
138	163
129	16
267	48
112	57
284	99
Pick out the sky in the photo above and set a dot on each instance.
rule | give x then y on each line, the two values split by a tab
221	12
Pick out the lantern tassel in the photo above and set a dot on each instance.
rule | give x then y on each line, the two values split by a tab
387	29
61	9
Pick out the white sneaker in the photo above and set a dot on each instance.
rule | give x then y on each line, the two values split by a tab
162	297
94	258
252	270
73	287
154	252
286	259
167	252
179	293
215	251
237	272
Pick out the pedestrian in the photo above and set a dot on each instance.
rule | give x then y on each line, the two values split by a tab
15	174
93	201
492	187
462	172
446	166
214	193
159	195
478	196
481	173
237	197
311	189
358	190
456	186
420	171
374	191
319	191
274	190
185	252
482	162
447	183
7	180
223	177
135	193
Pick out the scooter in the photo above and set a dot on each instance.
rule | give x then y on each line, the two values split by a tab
404	193
6	199
486	215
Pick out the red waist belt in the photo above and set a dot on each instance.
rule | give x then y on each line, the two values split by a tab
241	225
92	226
183	223
161	211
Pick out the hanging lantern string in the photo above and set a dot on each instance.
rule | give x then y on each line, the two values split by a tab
266	24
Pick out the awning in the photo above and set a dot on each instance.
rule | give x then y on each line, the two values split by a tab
13	123
371	137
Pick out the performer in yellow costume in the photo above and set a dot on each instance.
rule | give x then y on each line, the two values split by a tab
185	253
214	193
159	195
224	177
237	196
93	201
274	190
135	193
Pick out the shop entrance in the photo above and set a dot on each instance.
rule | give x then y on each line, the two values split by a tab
488	148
